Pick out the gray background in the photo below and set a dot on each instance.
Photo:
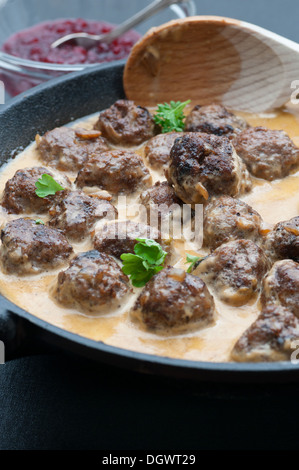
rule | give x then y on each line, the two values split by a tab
280	16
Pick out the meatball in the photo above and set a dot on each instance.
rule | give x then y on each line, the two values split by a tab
157	149
28	247
281	286
75	213
214	119
68	149
203	165
174	300
268	154
234	271
283	241
269	338
19	194
126	123
93	283
116	238
227	219
161	202
117	171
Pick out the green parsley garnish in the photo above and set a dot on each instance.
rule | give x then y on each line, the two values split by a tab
39	222
194	261
170	116
47	186
148	260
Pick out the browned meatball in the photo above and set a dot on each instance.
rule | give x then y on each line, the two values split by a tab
68	149
203	165
117	171
116	238
126	123
269	338
281	286
268	154
174	299
234	271
28	247
227	219
93	283
19	194
160	202
214	119
75	213
157	149
283	241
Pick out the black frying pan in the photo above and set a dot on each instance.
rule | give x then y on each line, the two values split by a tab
54	104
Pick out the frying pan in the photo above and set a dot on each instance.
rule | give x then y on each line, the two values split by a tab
54	104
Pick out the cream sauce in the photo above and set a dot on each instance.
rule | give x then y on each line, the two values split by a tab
275	201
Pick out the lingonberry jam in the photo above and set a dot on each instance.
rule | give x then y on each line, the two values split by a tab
35	43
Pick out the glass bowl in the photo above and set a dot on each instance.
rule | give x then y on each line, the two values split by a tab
20	74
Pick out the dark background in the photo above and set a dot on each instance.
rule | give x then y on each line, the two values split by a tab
56	401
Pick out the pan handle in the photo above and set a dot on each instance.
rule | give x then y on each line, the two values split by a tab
12	335
19	337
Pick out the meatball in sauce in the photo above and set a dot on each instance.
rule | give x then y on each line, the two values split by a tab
19	196
283	241
214	119
116	171
269	338
227	219
161	203
29	247
174	300
94	282
75	213
281	286
234	271
268	154
203	165
68	149
157	149
116	238
125	123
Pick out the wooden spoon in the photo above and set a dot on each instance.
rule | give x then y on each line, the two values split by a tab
212	59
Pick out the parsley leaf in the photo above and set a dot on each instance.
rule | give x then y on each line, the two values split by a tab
139	279
150	250
147	261
194	261
170	116
47	186
132	263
